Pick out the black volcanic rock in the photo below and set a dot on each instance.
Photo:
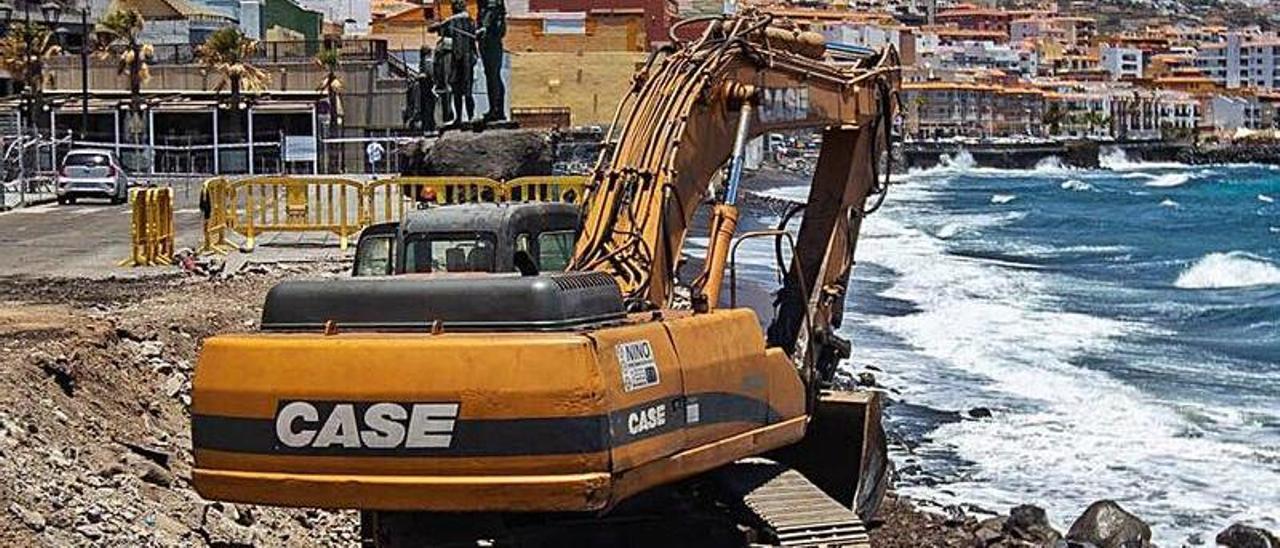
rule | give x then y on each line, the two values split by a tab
1030	524
1240	535
497	154
1106	525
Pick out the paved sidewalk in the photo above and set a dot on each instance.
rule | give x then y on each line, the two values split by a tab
90	238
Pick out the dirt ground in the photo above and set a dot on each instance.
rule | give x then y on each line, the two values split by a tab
94	428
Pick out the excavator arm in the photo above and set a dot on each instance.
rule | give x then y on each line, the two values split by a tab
690	113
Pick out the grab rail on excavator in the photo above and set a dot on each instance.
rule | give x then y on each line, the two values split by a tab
733	257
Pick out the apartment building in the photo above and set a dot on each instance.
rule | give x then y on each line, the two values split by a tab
1077	32
947	109
1123	63
1242	60
985	55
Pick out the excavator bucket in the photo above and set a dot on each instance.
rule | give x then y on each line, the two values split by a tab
843	451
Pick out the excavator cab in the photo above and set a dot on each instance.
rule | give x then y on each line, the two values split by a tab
474	237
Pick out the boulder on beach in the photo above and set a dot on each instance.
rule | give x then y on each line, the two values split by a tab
497	154
1030	524
1240	535
1106	525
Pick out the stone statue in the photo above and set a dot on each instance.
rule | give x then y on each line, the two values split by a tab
458	35
442	74
493	27
420	104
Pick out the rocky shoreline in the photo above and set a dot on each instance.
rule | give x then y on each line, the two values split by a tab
1240	153
905	523
1088	155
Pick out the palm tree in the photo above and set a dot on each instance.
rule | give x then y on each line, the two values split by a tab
227	52
918	103
14	56
330	59
1053	117
119	35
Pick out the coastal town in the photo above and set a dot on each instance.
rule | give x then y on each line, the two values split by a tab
323	80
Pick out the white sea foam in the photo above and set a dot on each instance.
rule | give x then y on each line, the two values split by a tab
1051	165
1169	180
1226	270
1076	185
1066	435
963	163
1170	204
1003	198
1115	159
1266	199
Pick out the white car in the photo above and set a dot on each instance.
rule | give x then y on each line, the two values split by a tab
92	173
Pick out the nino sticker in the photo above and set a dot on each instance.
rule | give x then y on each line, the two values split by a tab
639	369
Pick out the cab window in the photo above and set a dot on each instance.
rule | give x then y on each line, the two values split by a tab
374	256
470	252
555	249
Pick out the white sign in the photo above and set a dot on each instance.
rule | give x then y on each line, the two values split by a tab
784	105
384	425
299	148
639	369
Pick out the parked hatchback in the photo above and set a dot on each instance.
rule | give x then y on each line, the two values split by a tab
92	173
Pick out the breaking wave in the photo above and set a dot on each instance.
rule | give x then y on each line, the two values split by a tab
1228	270
1115	159
1169	180
1076	185
1003	198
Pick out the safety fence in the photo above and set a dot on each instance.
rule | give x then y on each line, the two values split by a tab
151	227
252	206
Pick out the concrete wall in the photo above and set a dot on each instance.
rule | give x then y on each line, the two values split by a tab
603	33
589	83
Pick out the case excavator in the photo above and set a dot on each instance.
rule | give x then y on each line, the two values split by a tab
613	403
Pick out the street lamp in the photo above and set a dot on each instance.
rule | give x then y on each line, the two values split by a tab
50	11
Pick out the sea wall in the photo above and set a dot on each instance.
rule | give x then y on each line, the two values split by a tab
1235	153
1082	154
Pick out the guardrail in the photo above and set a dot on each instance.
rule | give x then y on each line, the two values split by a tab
344	207
553	188
151	227
213	206
389	199
294	204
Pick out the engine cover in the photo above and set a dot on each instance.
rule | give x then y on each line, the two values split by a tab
473	302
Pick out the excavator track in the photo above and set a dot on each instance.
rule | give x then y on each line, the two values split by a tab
790	508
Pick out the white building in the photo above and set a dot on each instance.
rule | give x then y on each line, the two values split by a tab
1122	63
1242	60
1230	113
358	12
871	36
1008	58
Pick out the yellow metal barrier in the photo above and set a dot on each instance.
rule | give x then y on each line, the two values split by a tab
151	227
294	204
555	188
388	199
213	208
256	205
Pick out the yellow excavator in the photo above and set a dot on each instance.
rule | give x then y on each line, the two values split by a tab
614	403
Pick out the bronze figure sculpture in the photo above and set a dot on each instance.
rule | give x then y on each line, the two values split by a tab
493	27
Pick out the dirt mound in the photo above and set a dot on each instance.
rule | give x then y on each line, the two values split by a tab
94	424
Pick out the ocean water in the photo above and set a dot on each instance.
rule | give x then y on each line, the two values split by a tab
1122	325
